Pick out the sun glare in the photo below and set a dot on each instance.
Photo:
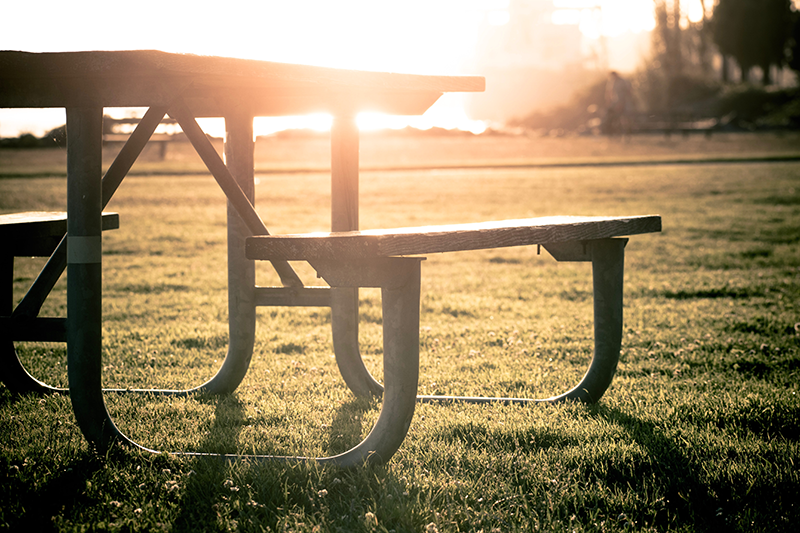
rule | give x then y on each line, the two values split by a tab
608	18
414	36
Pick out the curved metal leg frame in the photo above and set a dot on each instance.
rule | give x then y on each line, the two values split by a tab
241	271
607	258
17	378
344	325
14	374
401	305
344	217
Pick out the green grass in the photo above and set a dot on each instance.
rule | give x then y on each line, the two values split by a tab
699	431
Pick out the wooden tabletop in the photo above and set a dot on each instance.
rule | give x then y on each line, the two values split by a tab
209	84
359	245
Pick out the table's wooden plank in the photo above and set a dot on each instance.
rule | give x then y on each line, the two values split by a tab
437	239
34	224
150	77
222	71
37	233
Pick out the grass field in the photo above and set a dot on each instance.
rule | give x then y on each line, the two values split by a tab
700	430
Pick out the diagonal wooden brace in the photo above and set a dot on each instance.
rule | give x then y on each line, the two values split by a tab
30	305
180	112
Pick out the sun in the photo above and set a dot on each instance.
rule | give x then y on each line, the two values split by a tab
438	37
414	36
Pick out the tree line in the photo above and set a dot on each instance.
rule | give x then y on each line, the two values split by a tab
707	69
756	36
756	33
749	33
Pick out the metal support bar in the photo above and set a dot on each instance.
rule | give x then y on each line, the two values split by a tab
293	297
344	217
40	329
239	149
6	284
84	275
180	112
32	303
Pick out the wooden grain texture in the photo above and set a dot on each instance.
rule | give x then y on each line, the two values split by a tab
150	77
34	224
356	245
38	233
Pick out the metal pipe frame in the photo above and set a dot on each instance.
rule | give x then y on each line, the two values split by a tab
13	373
344	217
398	278
236	177
399	281
608	259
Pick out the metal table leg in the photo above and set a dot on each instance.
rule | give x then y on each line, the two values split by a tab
239	147
344	217
401	307
84	274
14	374
607	257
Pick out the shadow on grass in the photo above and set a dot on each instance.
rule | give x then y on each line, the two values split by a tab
259	492
205	485
30	505
229	418
477	435
676	475
671	476
695	494
346	429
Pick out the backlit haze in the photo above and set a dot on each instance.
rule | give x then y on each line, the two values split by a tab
469	37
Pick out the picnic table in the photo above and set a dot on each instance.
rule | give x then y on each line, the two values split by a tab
186	87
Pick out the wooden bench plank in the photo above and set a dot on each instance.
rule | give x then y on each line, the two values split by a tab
37	233
39	329
354	245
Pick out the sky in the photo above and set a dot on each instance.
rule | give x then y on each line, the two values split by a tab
416	36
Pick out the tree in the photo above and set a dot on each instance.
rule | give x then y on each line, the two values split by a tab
753	33
667	37
794	43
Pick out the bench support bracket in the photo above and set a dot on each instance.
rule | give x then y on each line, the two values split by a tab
608	258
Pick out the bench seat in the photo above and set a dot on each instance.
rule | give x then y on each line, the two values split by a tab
355	245
390	259
37	233
32	234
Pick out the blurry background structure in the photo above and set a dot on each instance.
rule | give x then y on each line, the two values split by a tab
701	64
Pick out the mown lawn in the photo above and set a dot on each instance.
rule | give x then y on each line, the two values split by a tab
699	431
